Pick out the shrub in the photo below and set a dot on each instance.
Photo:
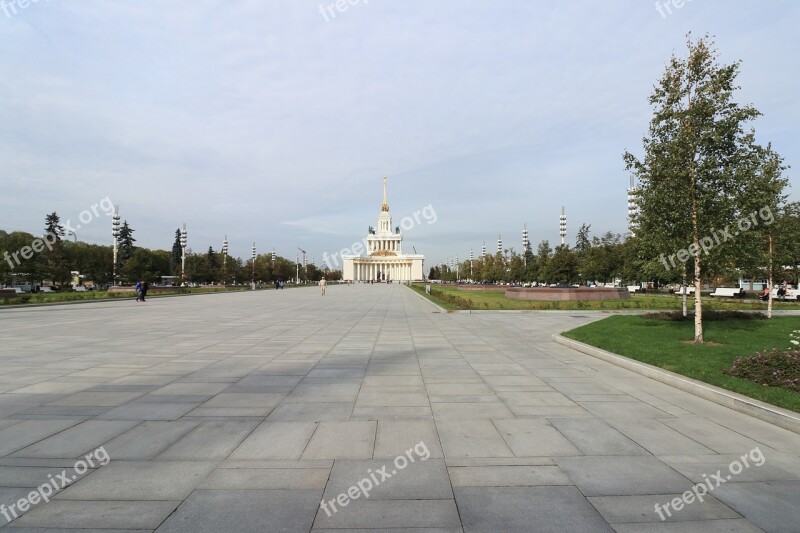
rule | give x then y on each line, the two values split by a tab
775	368
707	315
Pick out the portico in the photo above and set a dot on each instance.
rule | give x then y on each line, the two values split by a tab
384	259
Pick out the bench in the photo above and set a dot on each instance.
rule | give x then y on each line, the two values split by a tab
791	294
634	288
728	292
689	290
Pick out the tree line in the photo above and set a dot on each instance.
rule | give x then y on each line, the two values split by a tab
60	256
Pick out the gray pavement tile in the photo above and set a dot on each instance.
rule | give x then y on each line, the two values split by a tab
27	432
622	476
506	476
77	440
639	509
275	440
702	526
140	480
96	399
525	509
380	413
592	436
361	513
266	479
711	435
101	515
392	399
756	465
311	412
342	440
657	438
148	439
213	440
383	479
395	437
534	438
190	389
243	511
148	411
771	505
628	410
471	438
470	411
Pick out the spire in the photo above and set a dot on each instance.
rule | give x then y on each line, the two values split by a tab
385	206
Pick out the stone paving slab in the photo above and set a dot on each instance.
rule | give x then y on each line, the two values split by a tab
238	412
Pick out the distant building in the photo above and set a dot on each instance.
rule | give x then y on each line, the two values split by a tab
384	258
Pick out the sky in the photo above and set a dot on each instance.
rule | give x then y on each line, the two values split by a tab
274	122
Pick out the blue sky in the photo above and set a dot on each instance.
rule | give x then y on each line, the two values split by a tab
274	121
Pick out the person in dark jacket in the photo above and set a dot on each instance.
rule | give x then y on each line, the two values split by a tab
145	288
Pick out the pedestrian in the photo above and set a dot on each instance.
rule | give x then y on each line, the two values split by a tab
782	290
765	293
282	284
138	290
322	285
145	288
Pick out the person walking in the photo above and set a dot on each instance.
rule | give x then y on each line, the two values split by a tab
322	285
145	288
138	290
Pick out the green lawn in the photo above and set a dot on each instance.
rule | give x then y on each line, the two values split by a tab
667	344
452	298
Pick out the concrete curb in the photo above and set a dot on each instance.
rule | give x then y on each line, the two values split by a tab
757	409
437	306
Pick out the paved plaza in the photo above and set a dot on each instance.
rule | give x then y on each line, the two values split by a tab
243	411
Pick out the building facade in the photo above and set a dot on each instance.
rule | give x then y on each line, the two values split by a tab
383	259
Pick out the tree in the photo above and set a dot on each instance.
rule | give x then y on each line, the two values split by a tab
690	177
764	195
125	241
52	224
177	253
543	253
54	264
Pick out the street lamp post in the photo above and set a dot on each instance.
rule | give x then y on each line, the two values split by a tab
115	234
457	274
225	261
253	281
297	268
184	240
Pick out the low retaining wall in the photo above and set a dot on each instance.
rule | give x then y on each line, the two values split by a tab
567	294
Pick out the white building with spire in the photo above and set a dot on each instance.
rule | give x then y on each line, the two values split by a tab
383	259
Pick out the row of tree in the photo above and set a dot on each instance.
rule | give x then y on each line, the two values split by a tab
629	259
58	257
712	202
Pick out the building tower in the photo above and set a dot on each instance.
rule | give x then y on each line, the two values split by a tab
483	249
525	243
562	224
633	207
500	244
